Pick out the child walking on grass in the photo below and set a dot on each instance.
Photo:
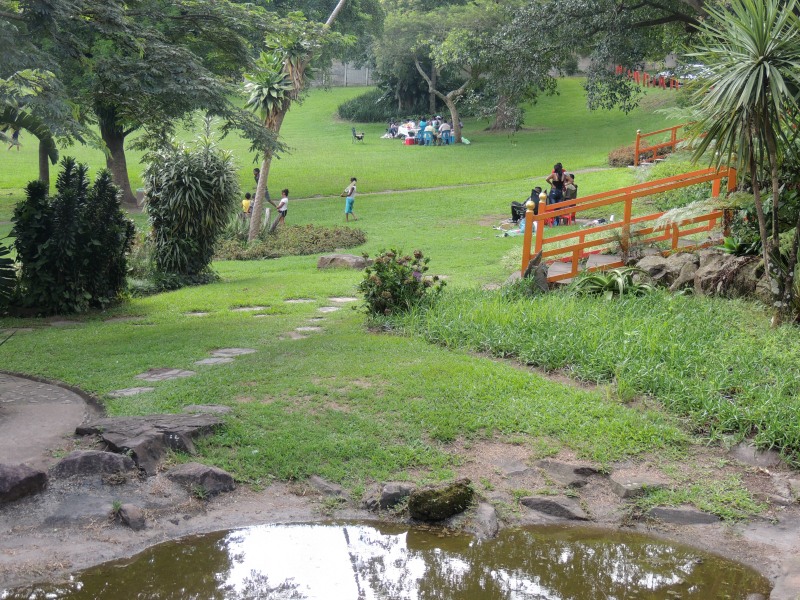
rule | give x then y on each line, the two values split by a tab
350	198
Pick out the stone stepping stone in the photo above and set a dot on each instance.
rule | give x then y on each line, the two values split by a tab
315	329
262	315
328	309
232	352
164	374
316	319
292	335
342	299
197	313
218	360
299	300
682	515
12	330
64	323
249	308
120	319
627	486
126	392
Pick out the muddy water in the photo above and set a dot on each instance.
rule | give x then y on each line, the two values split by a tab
361	561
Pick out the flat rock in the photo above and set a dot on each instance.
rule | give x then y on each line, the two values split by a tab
19	481
561	508
484	524
196	476
232	352
211	409
217	360
164	374
92	462
146	439
748	454
441	502
794	488
626	486
513	468
344	261
387	496
248	308
328	309
80	509
570	475
133	391
64	323
325	487
682	515
309	329
197	313
342	299
132	516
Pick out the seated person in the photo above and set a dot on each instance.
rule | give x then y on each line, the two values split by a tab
393	129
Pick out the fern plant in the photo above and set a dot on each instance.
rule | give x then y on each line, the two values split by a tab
8	275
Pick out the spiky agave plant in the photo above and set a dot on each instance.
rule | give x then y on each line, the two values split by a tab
614	282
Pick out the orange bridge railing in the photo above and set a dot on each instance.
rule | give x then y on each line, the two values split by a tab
572	247
672	143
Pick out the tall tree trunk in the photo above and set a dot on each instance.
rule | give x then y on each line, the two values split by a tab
451	106
44	166
450	99
501	115
114	137
262	193
431	93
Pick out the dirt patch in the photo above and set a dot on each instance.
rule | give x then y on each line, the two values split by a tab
491	220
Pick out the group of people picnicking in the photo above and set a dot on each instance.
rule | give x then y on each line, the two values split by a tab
349	194
440	130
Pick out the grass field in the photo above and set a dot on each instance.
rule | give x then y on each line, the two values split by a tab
349	404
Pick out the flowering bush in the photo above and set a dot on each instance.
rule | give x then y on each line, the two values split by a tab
396	283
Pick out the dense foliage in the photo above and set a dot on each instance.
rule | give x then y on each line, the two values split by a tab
396	283
375	107
292	240
191	191
8	275
68	262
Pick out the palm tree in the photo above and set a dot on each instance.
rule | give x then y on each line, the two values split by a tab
752	51
17	118
269	90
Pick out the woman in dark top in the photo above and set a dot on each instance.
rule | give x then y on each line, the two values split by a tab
556	179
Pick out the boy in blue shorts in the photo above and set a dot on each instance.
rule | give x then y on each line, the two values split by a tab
350	199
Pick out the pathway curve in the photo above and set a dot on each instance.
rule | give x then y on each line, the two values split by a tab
35	418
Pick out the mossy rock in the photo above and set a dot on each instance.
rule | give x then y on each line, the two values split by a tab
439	503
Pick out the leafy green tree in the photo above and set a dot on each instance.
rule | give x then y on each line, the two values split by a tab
192	192
68	263
748	103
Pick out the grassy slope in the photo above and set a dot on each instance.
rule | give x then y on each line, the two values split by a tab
346	403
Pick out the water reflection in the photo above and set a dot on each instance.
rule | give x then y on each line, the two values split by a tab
362	561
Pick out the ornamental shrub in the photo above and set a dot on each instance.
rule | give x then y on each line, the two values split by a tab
8	276
396	283
72	246
191	193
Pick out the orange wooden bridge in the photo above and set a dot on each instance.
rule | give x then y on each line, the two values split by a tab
571	253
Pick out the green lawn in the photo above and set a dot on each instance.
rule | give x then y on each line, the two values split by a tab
347	403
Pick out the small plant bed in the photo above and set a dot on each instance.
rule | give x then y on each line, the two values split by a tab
293	240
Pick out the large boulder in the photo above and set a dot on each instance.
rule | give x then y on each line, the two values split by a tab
344	261
442	502
202	479
19	481
727	275
92	462
387	496
146	439
665	271
685	278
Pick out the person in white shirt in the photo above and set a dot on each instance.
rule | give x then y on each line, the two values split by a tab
283	206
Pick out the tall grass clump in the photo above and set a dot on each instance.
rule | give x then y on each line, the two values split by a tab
714	361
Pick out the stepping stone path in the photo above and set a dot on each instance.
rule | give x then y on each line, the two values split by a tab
342	299
328	309
64	323
232	352
217	360
299	300
292	335
164	374
249	308
315	319
309	329
197	313
124	393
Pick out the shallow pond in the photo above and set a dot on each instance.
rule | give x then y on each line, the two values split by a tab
361	560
